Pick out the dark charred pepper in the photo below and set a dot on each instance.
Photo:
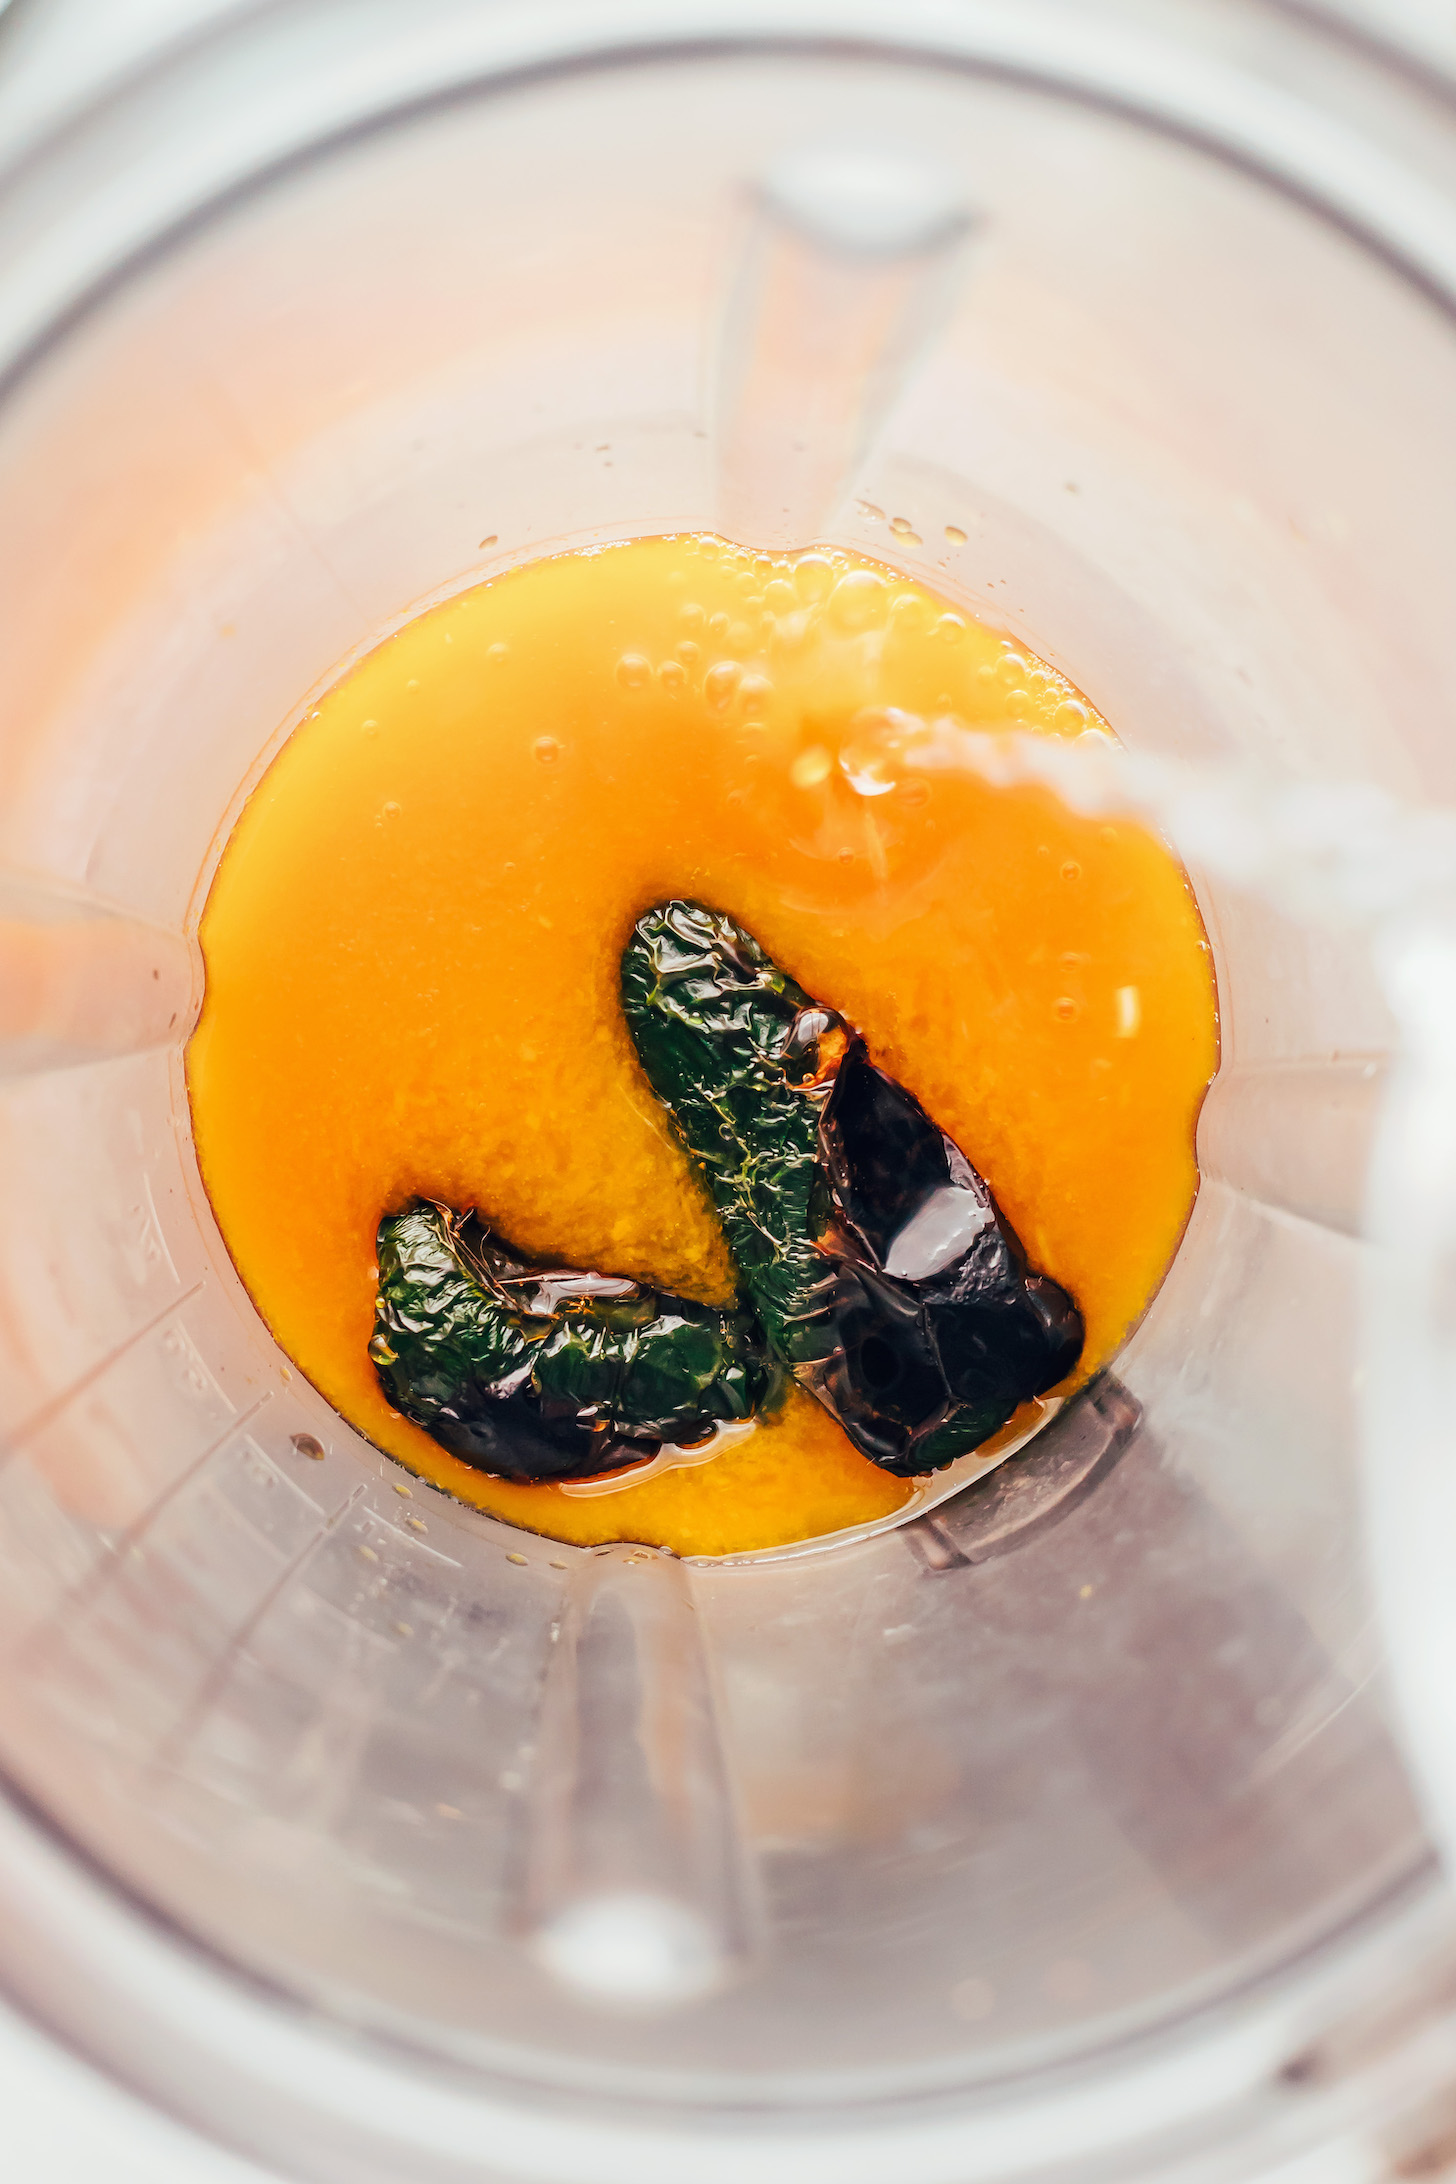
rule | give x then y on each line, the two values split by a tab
536	1372
876	1265
885	1275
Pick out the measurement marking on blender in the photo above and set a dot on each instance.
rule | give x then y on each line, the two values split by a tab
170	1749
85	981
52	1408
82	1595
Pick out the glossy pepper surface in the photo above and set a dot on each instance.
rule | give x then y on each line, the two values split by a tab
886	1277
536	1372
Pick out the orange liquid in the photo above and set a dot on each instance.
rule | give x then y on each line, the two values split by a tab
413	938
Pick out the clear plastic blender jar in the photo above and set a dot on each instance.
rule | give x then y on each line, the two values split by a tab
1065	1830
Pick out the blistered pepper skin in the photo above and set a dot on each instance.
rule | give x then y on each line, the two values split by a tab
877	1267
886	1277
729	1044
537	1373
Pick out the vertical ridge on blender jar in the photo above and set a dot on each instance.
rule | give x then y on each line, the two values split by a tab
845	271
89	1173
97	1454
54	1406
187	1724
103	1656
1295	1134
1027	1496
135	1655
632	1882
80	981
117	1545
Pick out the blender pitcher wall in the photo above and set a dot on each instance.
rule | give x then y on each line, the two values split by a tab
976	1820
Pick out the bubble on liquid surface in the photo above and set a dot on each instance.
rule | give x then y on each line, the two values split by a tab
794	632
672	675
866	773
813	578
547	750
868	769
859	601
871	755
631	1948
720	683
634	671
